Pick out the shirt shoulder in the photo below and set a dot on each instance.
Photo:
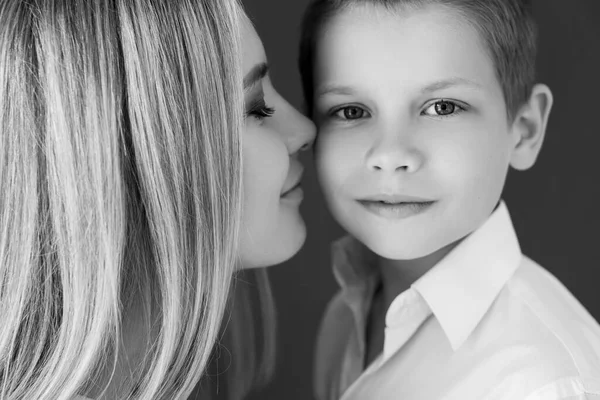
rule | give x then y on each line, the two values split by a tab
558	332
334	332
563	389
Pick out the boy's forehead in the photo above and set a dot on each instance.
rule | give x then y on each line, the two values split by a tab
412	48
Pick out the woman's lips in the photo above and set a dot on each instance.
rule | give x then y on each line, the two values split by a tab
293	189
296	193
294	180
396	207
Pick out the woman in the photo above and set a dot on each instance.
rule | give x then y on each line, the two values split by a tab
272	228
121	131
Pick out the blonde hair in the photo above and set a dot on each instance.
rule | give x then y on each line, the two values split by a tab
120	176
244	360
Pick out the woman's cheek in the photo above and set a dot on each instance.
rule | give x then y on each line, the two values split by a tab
264	172
265	162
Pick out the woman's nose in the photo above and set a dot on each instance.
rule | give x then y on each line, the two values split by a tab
299	131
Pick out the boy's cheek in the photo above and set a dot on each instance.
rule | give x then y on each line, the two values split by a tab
329	172
333	164
325	148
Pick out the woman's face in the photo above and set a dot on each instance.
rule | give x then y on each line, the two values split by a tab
272	228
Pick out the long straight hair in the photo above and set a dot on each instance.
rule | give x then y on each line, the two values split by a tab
244	359
120	181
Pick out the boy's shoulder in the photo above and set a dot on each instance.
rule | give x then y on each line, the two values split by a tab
535	325
554	306
554	329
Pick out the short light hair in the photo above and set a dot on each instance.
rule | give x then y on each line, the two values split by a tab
507	28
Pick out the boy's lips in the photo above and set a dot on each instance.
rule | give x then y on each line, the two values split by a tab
394	199
395	206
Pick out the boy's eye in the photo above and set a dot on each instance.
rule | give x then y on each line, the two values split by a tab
443	108
351	113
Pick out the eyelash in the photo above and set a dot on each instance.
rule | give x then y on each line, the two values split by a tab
334	113
260	111
458	108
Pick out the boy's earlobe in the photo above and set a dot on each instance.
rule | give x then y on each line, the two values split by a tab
529	127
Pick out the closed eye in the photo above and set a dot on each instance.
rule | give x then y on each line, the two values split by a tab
259	110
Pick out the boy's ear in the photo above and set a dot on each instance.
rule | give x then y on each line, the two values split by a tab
529	127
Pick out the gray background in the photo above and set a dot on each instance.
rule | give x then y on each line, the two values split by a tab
554	205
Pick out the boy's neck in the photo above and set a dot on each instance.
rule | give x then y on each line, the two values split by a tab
398	275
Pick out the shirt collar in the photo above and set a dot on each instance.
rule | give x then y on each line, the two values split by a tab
353	264
355	271
459	289
464	284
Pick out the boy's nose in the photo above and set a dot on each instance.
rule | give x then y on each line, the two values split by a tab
394	157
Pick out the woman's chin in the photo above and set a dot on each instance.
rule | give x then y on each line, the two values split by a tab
275	250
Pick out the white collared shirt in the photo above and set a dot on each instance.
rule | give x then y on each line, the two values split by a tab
485	323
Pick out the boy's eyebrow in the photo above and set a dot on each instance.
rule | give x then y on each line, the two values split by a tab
446	83
257	72
335	89
432	87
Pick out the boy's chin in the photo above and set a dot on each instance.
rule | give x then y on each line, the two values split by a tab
392	249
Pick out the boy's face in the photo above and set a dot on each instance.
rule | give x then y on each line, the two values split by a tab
413	142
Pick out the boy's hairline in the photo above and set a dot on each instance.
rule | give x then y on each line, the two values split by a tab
511	114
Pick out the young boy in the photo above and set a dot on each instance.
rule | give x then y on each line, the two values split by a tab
421	108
